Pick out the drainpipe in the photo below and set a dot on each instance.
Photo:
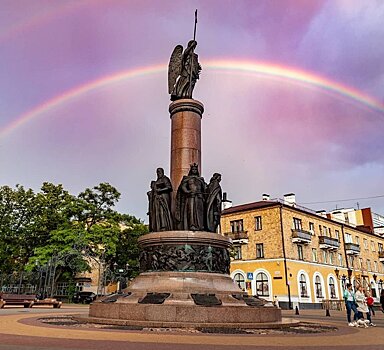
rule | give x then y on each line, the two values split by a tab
285	259
345	252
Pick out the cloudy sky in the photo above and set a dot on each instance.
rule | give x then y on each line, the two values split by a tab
293	93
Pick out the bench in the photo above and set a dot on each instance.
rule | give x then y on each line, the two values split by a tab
48	301
17	299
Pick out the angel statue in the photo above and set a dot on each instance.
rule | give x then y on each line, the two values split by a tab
183	71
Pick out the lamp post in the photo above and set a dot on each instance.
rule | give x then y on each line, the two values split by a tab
343	277
120	273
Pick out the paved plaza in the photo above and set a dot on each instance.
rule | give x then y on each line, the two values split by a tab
20	329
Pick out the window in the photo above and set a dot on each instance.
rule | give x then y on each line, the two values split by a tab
259	250
348	238
312	228
239	279
373	246
320	230
237	252
361	263
262	287
375	266
330	258
340	259
258	226
303	286
368	265
357	240
380	247
297	224
325	257
237	226
337	235
332	290
365	243
314	254
329	232
346	218
319	291
300	252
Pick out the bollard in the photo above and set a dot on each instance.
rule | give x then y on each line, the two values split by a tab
327	312
297	311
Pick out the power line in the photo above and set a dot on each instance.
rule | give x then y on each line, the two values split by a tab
345	200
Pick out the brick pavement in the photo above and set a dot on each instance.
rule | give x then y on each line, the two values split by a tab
18	331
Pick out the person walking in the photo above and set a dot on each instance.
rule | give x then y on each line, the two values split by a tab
350	304
362	308
370	302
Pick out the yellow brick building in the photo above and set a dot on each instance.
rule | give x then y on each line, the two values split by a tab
298	256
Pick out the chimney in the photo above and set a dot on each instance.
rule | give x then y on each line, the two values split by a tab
225	203
265	197
322	213
290	199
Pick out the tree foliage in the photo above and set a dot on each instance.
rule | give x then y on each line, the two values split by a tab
71	231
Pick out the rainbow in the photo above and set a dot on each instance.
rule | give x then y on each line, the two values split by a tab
45	15
271	71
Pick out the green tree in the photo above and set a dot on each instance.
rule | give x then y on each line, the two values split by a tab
17	220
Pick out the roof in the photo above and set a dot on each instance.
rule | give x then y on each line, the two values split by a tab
272	203
250	206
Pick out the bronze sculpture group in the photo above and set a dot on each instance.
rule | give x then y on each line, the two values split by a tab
197	207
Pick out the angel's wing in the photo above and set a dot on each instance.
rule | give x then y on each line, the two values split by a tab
174	67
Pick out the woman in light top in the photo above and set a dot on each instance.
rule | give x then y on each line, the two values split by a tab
350	304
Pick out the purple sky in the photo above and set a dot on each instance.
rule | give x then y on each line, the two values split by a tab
264	135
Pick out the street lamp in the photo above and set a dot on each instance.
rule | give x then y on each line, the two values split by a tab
343	277
120	273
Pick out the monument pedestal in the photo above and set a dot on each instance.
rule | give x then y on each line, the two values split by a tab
186	117
185	283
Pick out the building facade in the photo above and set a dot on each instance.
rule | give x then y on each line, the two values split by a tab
299	257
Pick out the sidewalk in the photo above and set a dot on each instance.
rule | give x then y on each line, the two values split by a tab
22	330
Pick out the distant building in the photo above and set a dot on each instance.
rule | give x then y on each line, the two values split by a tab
361	218
299	256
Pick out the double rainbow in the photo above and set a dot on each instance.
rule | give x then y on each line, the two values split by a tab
282	73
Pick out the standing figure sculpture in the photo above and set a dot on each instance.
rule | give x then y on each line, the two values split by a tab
189	213
183	71
160	218
213	204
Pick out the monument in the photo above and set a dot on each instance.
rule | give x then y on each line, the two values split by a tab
184	276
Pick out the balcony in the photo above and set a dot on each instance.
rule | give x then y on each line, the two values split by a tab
352	249
301	236
240	237
381	257
328	243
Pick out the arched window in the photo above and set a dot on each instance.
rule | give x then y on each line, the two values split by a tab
239	279
373	290
262	287
355	284
303	286
332	289
319	290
